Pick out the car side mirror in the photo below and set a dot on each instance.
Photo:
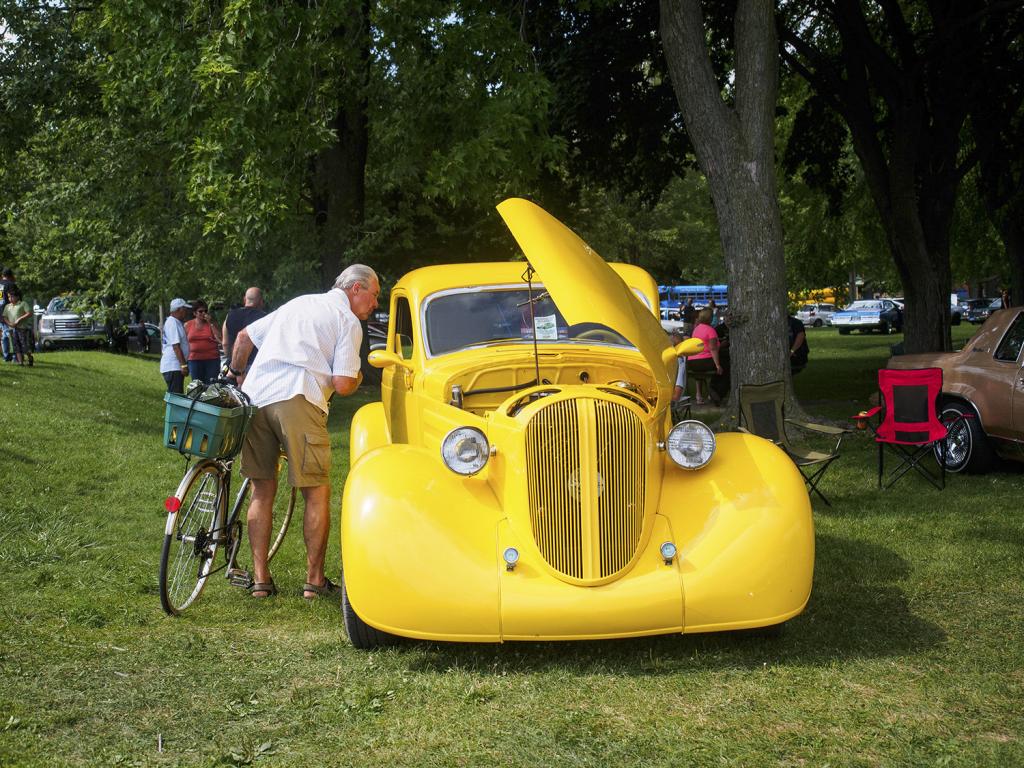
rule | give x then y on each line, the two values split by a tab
381	358
683	349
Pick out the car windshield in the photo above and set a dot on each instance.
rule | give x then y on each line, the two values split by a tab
808	307
481	316
59	304
865	305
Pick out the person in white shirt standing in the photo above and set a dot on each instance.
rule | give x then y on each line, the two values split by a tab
308	350
174	347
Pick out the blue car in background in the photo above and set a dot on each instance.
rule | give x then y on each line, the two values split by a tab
978	310
867	315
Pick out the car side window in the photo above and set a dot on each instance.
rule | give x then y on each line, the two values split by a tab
402	319
1009	347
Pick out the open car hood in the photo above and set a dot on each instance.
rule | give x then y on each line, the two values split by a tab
584	287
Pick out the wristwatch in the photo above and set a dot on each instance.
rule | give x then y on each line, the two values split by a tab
234	371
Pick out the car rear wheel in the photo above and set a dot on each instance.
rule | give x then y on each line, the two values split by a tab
361	634
967	448
818	323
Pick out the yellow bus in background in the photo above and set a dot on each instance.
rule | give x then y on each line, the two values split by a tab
821	295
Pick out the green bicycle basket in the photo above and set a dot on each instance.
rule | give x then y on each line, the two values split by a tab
203	429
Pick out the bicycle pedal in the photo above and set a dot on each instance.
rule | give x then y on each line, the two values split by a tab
239	577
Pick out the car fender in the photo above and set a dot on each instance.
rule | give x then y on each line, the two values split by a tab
404	570
968	395
745	535
369	431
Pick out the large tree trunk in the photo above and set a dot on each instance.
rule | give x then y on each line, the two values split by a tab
997	127
339	197
1012	232
904	89
914	197
735	148
339	171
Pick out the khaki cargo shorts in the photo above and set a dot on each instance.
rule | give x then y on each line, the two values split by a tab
301	429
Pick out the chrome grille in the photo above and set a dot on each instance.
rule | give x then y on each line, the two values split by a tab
74	324
586	480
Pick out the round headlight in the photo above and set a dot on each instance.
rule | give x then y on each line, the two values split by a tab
465	450
691	444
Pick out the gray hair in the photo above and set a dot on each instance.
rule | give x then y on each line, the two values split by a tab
356	273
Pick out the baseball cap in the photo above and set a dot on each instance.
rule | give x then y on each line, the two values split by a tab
177	304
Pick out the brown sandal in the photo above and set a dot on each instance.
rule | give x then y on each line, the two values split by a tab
268	588
327	589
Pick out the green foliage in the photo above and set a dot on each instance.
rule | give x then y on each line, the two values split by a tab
458	122
676	239
241	93
613	103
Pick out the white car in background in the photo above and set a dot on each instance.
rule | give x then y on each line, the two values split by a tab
816	315
670	320
62	322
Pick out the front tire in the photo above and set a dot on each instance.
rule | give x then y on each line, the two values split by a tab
361	634
967	447
191	537
818	323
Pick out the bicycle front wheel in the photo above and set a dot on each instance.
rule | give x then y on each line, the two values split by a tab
193	531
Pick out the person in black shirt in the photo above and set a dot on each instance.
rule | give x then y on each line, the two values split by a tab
798	348
239	317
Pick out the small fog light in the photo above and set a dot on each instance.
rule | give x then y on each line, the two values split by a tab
668	552
511	557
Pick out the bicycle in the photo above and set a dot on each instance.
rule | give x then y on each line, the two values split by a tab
198	522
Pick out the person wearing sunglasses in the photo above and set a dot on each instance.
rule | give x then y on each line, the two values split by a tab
203	344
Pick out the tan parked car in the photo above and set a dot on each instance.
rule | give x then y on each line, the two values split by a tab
985	381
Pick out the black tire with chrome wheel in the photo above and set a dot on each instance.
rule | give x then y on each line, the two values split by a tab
966	446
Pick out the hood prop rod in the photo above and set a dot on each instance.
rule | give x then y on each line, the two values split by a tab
528	277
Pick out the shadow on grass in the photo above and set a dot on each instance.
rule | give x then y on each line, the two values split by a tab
12	455
856	611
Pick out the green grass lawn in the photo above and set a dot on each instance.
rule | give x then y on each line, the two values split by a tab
909	653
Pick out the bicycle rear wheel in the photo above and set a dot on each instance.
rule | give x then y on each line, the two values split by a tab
194	527
284	508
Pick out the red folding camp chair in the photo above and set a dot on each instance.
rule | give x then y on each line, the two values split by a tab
910	425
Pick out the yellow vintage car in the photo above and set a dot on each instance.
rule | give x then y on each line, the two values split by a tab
521	478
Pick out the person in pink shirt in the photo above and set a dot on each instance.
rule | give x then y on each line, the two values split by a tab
707	361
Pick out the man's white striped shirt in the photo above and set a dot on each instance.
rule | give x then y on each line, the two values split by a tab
301	346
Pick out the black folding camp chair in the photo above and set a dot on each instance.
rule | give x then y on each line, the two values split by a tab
762	414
